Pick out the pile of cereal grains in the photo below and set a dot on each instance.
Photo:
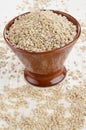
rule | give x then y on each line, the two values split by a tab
41	31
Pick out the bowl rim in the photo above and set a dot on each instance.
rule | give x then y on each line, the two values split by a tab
8	25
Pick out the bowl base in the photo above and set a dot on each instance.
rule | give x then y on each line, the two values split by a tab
45	80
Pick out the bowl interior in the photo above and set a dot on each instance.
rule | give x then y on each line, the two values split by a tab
69	17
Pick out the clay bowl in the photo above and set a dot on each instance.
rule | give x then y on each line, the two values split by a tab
44	68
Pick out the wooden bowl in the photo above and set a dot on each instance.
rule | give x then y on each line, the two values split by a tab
44	68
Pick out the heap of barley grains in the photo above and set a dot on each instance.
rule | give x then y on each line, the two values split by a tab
41	31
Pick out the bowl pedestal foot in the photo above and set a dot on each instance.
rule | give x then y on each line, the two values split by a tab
45	80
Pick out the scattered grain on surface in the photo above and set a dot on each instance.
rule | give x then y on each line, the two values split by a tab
45	115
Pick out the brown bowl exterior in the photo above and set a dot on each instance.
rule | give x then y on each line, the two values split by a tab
44	64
